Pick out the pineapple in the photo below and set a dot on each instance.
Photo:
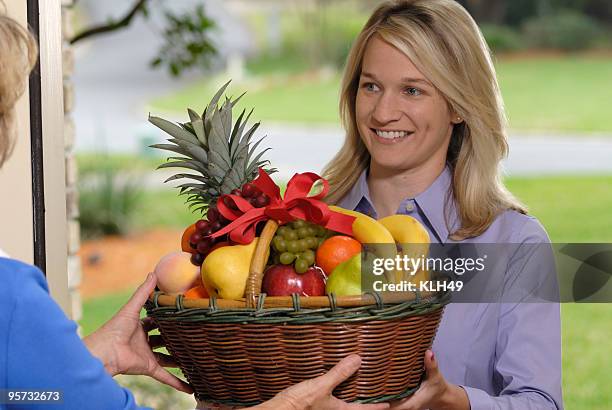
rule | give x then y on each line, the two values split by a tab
223	157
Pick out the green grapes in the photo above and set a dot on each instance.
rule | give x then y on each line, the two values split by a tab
286	258
301	266
296	243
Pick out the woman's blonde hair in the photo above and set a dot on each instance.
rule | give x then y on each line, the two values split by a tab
444	43
17	58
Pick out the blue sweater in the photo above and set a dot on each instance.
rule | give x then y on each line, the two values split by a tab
40	348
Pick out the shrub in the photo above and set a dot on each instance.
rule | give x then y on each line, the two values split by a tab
108	201
501	38
564	30
310	37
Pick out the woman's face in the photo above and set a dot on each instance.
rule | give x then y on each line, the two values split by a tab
403	120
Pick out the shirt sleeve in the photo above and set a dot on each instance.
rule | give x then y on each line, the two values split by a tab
44	351
528	348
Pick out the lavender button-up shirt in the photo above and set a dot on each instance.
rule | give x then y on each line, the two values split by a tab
505	355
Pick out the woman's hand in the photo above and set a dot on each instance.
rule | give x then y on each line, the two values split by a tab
123	346
317	393
435	393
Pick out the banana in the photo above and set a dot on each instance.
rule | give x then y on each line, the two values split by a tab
412	239
406	229
365	228
368	230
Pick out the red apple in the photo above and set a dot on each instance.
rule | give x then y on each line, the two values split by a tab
283	280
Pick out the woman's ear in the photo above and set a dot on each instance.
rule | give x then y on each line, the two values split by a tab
456	118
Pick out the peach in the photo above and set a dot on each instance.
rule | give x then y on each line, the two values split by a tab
175	273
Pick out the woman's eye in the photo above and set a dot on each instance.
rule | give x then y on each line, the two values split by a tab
413	91
370	87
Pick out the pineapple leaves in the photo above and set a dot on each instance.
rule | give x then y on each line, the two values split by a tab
213	103
187	176
256	163
173	129
243	146
198	127
193	165
220	133
219	152
237	127
170	147
193	116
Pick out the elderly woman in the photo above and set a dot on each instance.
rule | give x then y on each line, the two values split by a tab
39	346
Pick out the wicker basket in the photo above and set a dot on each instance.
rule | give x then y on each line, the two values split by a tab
244	352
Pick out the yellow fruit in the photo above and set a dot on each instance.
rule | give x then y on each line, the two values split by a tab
408	232
226	269
411	237
367	230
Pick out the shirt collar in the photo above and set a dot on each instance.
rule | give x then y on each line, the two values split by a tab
359	195
436	203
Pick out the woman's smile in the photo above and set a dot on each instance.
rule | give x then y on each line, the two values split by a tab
390	136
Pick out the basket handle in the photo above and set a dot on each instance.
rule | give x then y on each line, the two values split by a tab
258	263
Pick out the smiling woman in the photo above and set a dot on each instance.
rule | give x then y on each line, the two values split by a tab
425	134
403	120
434	78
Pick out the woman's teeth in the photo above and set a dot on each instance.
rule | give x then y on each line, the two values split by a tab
391	134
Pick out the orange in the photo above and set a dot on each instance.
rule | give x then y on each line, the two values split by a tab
335	250
185	239
197	292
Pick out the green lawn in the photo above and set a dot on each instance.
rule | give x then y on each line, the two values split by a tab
573	209
280	98
577	209
569	94
98	310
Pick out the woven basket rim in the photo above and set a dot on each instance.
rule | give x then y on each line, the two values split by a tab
159	298
182	310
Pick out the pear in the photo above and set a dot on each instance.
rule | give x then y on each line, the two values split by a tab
226	269
345	279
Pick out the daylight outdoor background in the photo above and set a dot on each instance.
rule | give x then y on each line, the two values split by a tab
554	63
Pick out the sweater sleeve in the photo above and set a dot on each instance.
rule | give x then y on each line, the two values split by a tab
43	350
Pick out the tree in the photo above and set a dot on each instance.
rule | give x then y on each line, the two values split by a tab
187	43
487	11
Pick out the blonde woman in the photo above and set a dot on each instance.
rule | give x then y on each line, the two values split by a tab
39	346
425	134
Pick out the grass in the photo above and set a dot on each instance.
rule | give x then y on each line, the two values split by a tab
98	310
576	209
279	99
163	208
586	358
94	161
573	209
565	94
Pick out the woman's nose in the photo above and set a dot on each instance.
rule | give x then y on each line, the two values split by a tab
385	110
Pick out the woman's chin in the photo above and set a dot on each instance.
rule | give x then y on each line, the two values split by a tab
390	164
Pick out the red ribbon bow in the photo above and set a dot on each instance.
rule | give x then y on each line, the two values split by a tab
295	205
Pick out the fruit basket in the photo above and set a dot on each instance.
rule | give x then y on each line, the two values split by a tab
240	345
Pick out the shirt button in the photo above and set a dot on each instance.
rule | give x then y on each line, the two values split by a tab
410	206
